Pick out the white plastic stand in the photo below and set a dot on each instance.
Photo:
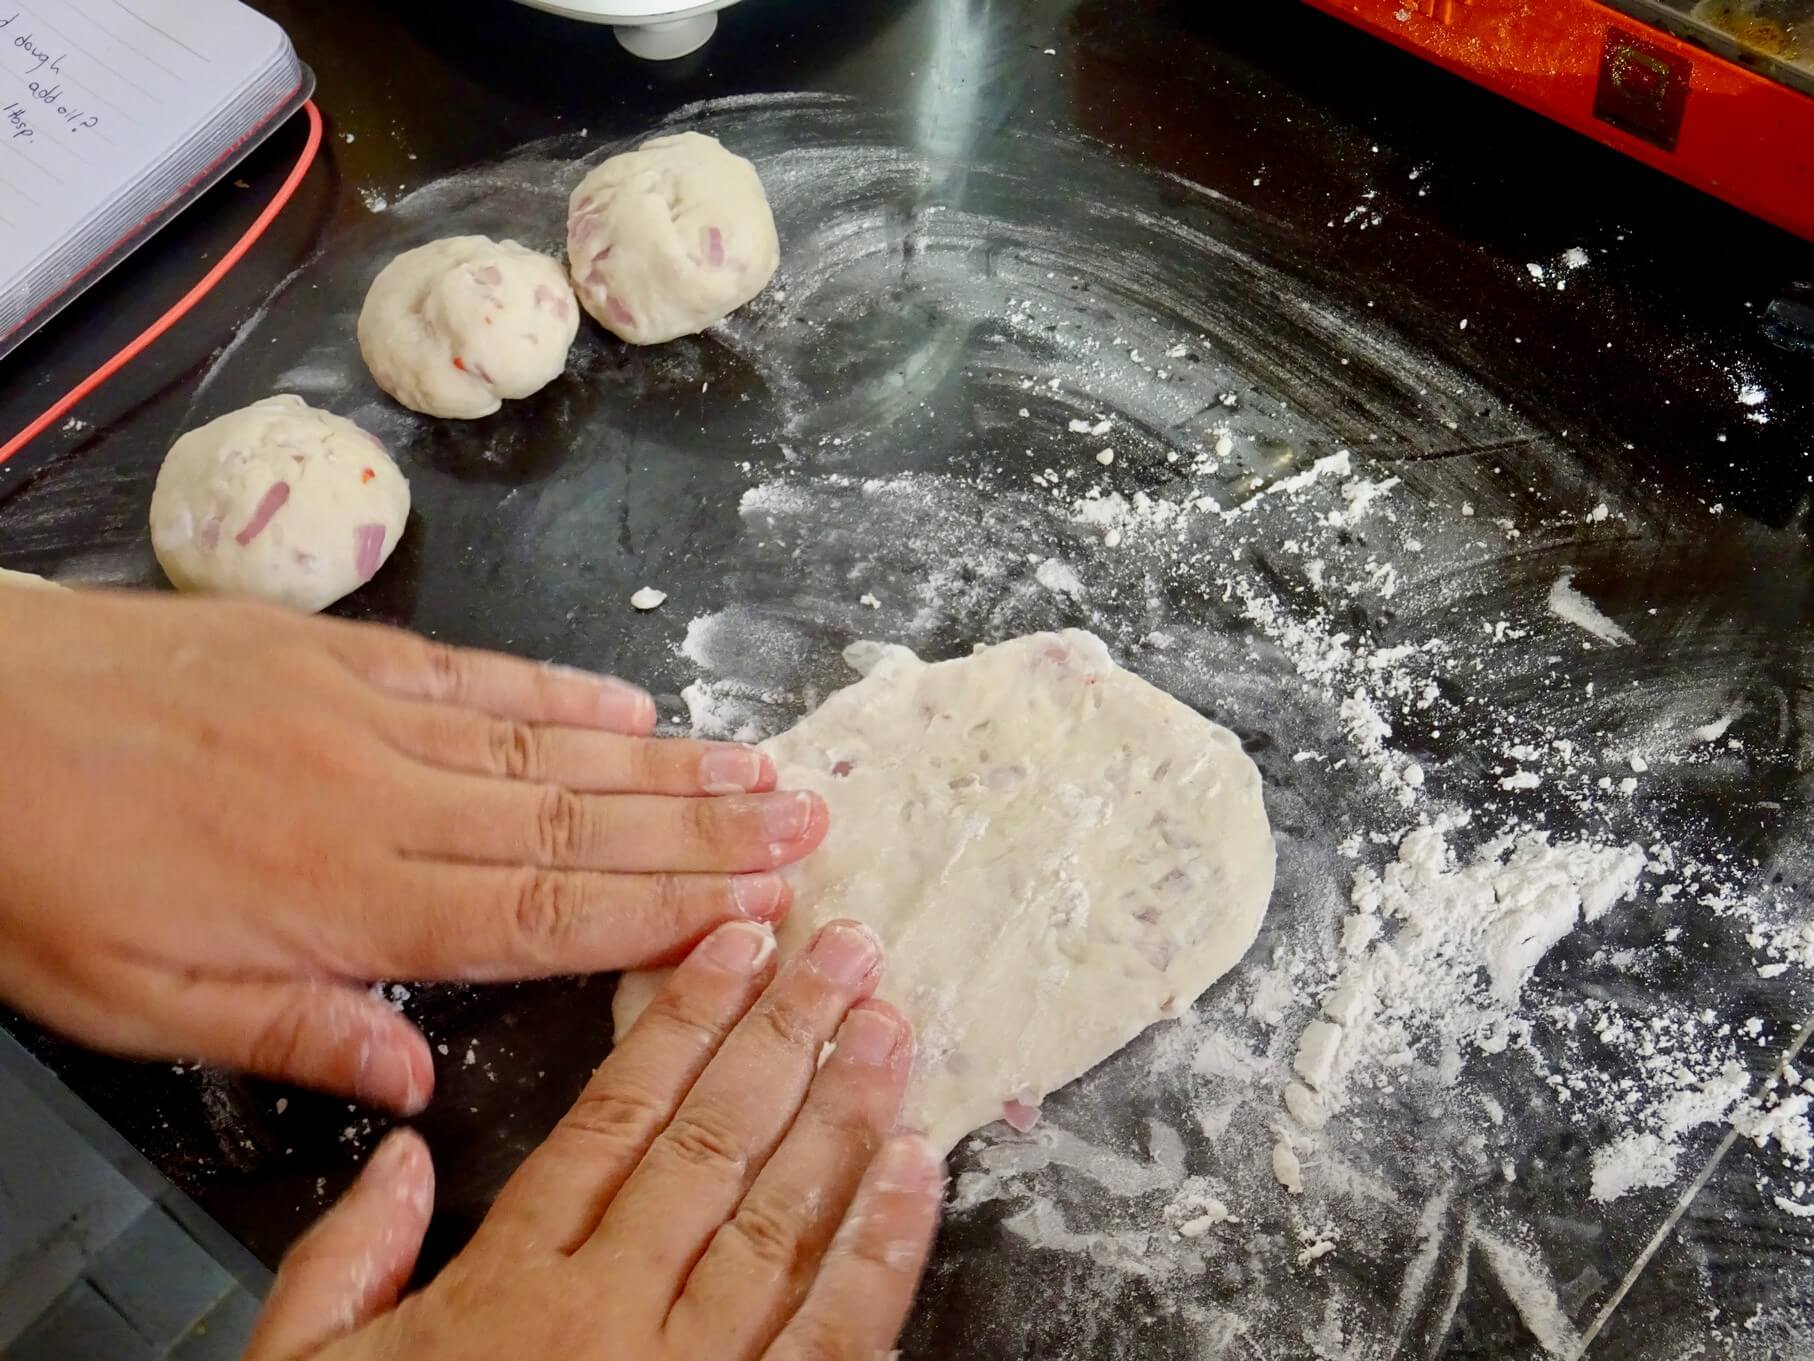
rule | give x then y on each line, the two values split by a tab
666	41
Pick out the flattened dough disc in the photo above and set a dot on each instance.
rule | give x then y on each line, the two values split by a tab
9	578
1054	853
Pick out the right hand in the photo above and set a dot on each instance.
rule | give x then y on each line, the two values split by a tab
223	820
715	1195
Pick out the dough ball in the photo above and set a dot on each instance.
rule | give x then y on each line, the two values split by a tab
454	327
280	502
10	578
670	238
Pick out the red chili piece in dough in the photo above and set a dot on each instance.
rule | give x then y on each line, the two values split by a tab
366	475
268	505
459	363
714	247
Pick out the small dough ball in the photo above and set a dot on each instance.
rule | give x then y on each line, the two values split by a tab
280	502
454	327
10	578
670	238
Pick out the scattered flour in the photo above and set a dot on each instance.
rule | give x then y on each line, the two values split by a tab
1565	602
1712	732
1750	394
1287	1169
1057	578
1439	951
1451	973
1490	948
1631	1163
1650	1156
1531	1293
1438	945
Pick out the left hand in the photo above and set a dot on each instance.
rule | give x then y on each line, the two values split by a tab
227	818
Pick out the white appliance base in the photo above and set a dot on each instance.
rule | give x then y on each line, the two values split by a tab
664	42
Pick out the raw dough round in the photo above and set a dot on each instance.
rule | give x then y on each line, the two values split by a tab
10	578
670	238
454	327
278	501
1055	855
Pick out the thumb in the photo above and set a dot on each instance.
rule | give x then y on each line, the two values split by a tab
352	1265
334	1037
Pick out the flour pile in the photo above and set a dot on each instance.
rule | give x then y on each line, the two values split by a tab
1439	952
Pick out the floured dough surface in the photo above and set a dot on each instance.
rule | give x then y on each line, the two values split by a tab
280	502
10	578
1054	853
671	238
457	327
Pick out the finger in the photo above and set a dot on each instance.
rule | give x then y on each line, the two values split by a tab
353	1264
501	822
334	1037
859	1302
490	682
758	1266
487	923
699	1169
559	1193
586	762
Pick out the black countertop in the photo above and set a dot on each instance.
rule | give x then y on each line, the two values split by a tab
1293	170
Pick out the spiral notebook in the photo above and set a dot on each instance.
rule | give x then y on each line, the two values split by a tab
114	116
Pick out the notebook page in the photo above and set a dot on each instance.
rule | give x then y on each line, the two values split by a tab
72	260
94	94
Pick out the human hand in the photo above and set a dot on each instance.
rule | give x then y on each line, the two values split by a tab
714	1195
223	820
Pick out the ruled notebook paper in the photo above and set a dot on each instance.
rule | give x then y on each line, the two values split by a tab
109	111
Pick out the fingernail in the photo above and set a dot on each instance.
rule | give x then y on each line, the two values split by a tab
421	1083
392	1153
620	702
730	770
869	1035
739	947
908	1163
845	953
759	896
386	1078
785	817
402	1161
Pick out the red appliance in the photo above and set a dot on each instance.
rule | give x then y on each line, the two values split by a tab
1719	93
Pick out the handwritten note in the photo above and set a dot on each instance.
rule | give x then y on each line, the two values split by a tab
103	101
43	69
